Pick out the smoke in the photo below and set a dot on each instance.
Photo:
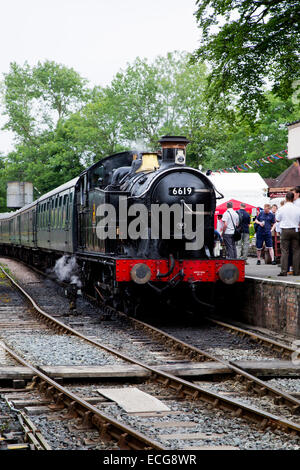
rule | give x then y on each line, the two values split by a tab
66	269
140	146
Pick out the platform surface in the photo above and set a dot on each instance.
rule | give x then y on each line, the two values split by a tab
268	272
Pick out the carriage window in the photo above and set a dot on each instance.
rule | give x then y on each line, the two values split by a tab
59	224
52	218
66	211
47	213
83	186
43	216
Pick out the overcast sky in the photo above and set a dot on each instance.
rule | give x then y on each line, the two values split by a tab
95	37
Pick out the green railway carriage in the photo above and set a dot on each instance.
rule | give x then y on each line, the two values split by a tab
18	228
42	227
63	221
55	219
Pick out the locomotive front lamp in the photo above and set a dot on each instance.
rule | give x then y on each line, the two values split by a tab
140	273
180	157
228	273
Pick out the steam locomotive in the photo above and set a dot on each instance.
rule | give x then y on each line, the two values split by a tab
137	223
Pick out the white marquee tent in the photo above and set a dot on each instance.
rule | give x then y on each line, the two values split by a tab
245	187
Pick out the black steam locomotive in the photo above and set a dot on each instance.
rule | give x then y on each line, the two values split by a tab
137	223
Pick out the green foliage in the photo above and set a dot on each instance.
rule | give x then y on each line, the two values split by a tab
61	126
94	131
36	102
249	44
165	97
2	186
36	98
48	164
242	142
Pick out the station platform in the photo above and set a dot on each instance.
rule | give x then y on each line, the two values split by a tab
268	272
264	300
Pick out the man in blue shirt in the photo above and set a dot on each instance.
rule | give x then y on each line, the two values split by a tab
244	225
265	222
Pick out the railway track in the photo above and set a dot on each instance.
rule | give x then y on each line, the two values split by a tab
189	393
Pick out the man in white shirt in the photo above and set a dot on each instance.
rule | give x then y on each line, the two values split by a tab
289	218
277	226
231	220
296	192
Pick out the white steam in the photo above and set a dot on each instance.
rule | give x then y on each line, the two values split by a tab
66	269
141	146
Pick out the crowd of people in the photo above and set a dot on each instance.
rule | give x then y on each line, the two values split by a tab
233	229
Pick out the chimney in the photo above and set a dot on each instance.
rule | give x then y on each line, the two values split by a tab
173	149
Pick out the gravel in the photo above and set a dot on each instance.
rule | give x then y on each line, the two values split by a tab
289	385
48	348
233	432
209	338
44	348
9	425
62	435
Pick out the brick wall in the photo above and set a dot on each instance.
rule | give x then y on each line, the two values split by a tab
268	304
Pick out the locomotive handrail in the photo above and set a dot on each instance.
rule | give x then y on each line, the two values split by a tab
172	262
195	212
221	195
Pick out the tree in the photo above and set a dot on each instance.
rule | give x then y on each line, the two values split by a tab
37	101
239	142
165	97
249	44
2	187
47	164
95	131
141	107
36	98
